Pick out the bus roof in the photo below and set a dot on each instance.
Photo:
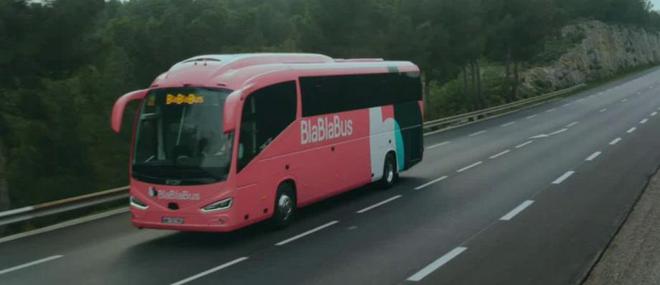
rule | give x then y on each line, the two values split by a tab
236	70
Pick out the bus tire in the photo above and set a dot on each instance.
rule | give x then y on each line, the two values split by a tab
285	206
390	173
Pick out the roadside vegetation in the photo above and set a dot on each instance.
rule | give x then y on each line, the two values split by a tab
64	62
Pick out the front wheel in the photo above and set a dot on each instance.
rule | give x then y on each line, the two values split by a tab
390	174
285	206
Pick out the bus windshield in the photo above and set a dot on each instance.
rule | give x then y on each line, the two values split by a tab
180	138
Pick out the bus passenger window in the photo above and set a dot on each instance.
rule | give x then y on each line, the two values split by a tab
266	113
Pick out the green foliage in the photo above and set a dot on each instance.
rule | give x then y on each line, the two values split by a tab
64	63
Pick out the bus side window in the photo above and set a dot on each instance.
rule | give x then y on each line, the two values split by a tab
266	113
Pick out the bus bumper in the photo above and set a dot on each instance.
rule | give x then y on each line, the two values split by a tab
220	222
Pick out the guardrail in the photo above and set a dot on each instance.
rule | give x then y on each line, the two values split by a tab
116	194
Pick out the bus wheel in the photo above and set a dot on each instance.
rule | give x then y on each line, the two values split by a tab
390	174
285	206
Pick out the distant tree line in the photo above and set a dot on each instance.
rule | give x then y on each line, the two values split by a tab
64	62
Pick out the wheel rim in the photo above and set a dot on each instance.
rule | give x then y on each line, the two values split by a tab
285	204
390	172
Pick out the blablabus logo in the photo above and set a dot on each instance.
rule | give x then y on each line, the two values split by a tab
173	195
324	128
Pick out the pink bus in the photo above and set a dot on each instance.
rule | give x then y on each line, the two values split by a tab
224	141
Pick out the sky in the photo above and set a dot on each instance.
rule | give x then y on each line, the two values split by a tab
656	4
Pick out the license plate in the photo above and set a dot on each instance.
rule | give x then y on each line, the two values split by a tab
172	220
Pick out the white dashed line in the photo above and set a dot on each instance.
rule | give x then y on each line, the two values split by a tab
469	166
566	105
551	110
615	141
593	156
306	233
438	145
478	133
603	110
631	130
378	204
564	176
643	121
437	264
500	154
572	124
531	117
579	100
557	132
508	124
207	272
420	187
19	267
624	100
517	210
524	144
654	113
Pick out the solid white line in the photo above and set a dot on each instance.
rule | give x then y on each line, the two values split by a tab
306	233
469	166
500	154
631	130
437	264
478	133
378	204
593	156
551	110
516	210
19	267
65	224
508	124
563	177
615	141
558	132
524	144
431	183
438	145
572	124
643	121
531	117
207	272
654	113
603	110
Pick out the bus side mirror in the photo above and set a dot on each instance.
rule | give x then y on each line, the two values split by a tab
120	106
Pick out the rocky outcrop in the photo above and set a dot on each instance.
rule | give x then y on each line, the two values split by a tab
604	51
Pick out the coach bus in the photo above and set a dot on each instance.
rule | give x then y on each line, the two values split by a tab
224	141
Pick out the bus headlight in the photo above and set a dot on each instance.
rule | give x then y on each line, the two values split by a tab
218	206
135	202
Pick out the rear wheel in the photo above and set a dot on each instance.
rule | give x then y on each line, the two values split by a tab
390	174
285	206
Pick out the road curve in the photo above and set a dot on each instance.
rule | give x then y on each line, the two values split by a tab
527	198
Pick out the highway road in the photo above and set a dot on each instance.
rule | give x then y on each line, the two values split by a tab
531	197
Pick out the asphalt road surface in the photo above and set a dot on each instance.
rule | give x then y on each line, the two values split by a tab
532	197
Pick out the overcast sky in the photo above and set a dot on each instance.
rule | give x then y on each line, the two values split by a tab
656	4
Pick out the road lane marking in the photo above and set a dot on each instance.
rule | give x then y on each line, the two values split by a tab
214	269
516	210
306	233
572	124
508	124
631	130
566	105
438	145
478	133
579	100
551	110
593	156
615	141
563	177
524	144
469	166
643	121
33	263
654	113
431	183
557	132
531	117
624	100
603	110
437	264
378	204
500	154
